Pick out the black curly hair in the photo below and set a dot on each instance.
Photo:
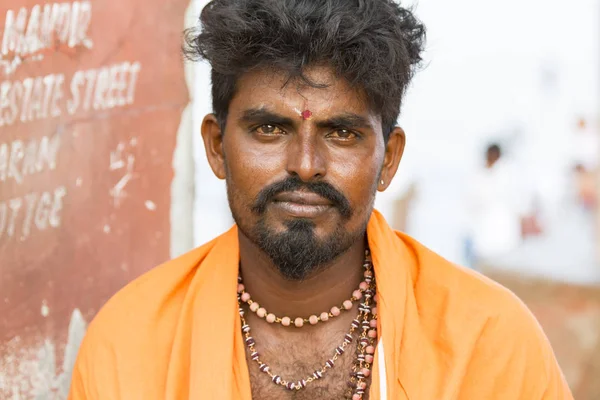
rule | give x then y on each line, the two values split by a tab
375	45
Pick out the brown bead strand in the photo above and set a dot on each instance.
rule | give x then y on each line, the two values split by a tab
298	322
365	350
302	383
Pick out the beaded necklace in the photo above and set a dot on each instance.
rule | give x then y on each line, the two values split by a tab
363	328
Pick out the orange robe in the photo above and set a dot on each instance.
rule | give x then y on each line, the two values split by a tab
447	332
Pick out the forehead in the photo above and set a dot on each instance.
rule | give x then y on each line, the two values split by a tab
329	96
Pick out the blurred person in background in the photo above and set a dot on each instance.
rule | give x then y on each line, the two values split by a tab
498	208
585	186
586	146
311	294
583	196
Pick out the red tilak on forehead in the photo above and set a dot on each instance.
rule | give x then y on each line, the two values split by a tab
306	114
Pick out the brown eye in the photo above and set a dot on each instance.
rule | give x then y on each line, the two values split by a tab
344	134
269	130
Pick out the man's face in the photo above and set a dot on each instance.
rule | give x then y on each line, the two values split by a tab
301	189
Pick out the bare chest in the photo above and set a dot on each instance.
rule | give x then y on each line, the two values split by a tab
295	360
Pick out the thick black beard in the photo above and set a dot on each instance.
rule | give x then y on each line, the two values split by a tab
297	253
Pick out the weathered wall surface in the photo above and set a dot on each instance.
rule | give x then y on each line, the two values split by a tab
91	100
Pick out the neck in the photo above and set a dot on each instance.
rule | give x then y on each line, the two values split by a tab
327	287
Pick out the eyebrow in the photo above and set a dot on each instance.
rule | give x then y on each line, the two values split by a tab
264	116
345	120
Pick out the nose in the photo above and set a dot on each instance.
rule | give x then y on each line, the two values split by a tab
306	157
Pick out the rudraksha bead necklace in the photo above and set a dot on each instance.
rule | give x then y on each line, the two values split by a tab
364	327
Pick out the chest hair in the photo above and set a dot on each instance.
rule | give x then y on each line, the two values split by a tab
295	357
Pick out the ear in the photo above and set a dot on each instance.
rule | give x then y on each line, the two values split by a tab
213	145
393	154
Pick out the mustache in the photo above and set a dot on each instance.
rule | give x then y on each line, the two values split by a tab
294	183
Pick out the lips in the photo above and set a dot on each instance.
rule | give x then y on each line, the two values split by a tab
303	198
302	204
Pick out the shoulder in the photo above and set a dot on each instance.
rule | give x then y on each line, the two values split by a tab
483	327
133	329
148	302
147	295
466	298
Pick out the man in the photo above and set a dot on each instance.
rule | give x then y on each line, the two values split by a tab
499	207
311	295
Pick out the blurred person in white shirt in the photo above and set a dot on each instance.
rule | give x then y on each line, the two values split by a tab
497	204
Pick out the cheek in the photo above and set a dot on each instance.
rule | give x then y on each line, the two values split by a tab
366	190
358	180
239	186
249	171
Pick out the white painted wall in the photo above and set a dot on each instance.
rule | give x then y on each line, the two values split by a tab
518	71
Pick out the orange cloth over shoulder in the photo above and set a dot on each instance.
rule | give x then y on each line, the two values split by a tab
447	332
